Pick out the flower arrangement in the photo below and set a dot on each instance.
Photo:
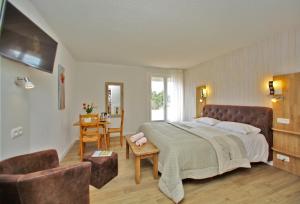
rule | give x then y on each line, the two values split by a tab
88	107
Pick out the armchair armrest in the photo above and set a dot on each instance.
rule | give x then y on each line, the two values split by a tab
28	163
8	189
58	185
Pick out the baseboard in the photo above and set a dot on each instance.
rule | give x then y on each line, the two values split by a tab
65	152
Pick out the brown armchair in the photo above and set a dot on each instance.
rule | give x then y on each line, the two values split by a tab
36	178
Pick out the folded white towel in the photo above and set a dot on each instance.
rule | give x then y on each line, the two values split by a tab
136	137
141	141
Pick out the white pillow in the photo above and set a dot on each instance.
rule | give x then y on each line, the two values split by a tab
238	127
207	120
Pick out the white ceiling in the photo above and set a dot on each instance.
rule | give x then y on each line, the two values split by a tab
164	33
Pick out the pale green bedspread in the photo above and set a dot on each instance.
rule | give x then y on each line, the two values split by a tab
192	152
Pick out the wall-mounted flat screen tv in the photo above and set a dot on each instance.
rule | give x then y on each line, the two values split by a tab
23	41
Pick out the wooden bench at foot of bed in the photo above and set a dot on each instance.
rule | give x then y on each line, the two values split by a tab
148	150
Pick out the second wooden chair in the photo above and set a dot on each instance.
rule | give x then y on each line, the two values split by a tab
116	130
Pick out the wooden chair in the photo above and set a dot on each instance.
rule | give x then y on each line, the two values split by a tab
89	131
116	130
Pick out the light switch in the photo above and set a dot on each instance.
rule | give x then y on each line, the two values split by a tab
285	121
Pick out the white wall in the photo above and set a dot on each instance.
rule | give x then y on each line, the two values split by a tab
240	77
15	109
90	87
35	110
50	127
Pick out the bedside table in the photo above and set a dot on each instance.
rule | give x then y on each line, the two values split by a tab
286	150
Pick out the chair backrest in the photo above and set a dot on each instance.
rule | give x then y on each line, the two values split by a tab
89	120
122	119
28	163
89	124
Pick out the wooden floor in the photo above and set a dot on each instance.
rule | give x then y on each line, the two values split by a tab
260	184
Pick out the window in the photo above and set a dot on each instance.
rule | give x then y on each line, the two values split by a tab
158	99
167	97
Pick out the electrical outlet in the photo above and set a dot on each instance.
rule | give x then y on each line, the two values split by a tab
16	132
285	121
20	131
283	158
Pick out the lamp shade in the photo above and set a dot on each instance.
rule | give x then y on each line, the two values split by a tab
24	81
28	84
275	87
204	93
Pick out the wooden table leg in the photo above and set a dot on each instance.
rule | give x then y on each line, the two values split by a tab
105	143
155	166
108	140
127	150
84	144
79	151
137	169
105	135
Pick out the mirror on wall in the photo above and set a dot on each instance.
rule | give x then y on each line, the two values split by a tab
114	98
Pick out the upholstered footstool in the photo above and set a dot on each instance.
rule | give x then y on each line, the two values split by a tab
104	169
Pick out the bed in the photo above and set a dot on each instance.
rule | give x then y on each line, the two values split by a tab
198	151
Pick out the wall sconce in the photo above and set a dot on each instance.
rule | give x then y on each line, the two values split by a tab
203	94
275	88
25	81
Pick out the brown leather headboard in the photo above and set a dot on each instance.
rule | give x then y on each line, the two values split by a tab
261	117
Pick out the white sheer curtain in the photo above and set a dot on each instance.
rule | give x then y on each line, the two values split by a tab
175	96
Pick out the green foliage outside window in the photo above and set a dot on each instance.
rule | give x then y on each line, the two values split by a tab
157	100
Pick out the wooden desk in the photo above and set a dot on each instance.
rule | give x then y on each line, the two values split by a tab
148	150
103	124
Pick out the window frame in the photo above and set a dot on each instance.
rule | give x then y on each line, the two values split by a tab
165	80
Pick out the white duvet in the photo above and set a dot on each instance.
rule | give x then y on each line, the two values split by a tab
256	145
